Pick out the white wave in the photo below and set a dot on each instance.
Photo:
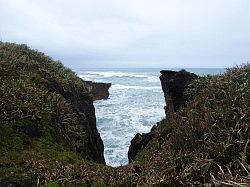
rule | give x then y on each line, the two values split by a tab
84	78
135	105
88	78
95	75
115	74
120	86
153	79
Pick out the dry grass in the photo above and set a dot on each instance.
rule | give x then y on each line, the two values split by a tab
206	143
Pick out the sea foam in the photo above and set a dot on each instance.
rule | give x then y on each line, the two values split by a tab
136	103
115	74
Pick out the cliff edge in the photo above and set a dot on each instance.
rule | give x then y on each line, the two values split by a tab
204	139
98	90
173	85
48	134
45	108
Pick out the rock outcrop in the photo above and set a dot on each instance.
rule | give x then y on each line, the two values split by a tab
206	117
139	142
48	135
44	103
173	85
98	90
85	111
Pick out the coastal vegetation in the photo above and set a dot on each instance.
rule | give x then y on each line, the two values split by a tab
48	135
207	141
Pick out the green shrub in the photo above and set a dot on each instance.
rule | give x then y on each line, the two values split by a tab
99	184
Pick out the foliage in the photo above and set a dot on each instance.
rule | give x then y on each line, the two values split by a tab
205	142
36	114
99	184
208	140
51	184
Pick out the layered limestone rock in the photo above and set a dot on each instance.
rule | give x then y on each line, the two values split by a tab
85	111
43	101
139	142
98	90
173	85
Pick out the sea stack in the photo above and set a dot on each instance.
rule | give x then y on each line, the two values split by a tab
173	85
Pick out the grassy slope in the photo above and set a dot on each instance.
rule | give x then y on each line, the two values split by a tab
37	123
205	142
209	138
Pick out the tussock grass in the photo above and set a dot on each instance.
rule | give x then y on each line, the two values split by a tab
204	143
34	111
208	140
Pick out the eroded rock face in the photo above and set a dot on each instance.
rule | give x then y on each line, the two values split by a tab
139	142
85	111
98	90
173	85
52	104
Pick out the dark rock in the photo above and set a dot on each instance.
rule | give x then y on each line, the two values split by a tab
98	90
139	142
173	85
47	110
85	110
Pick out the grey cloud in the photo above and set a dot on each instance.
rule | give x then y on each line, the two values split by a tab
139	33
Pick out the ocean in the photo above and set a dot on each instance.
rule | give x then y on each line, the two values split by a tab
135	104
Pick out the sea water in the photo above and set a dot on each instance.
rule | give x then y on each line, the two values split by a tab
135	104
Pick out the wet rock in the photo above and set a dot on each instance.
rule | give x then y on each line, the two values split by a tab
173	85
139	142
85	111
98	90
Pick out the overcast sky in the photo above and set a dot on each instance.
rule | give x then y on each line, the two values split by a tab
132	33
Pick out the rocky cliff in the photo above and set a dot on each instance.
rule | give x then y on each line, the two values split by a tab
138	143
48	135
173	86
198	142
98	90
44	107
